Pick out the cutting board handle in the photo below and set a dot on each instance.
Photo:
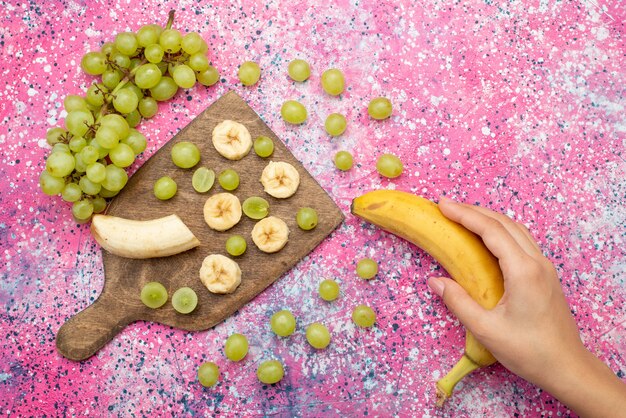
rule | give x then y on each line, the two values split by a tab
89	330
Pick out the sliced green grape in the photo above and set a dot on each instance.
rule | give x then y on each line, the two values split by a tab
99	204
364	316
96	172
208	374
154	53
153	295
229	179
71	192
263	146
78	122
73	102
283	323
82	209
184	300
270	372
343	160
88	186
389	165
148	107
366	268
116	178
299	70
125	100
147	76
50	184
306	218
107	137
236	245
117	123
333	82
60	164
165	90
317	335
335	124
122	155
184	76
126	43
249	73
208	77
293	112
136	141
185	154
148	35
171	40
379	108
203	179
255	207
236	347
198	62
165	188
329	290
94	63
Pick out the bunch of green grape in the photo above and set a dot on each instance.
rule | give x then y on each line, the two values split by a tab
98	140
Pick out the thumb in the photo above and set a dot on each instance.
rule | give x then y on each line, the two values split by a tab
458	301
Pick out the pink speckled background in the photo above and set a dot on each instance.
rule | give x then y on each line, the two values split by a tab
518	106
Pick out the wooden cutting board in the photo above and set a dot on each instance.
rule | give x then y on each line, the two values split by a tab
119	303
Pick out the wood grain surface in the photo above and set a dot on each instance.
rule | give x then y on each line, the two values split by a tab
119	303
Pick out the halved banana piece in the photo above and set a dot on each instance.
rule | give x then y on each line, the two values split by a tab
270	234
220	274
232	140
222	211
280	179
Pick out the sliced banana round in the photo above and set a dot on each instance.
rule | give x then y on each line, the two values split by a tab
222	211
220	274
270	234
232	140
280	179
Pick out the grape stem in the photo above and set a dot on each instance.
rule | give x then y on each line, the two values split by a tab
170	19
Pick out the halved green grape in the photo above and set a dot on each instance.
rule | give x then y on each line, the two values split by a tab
107	137
379	108
293	112
154	53
117	123
317	335
343	160
148	107
236	245
122	155
96	172
125	100
263	146
71	192
236	347
185	154
366	268
209	76
249	73
147	76
78	122
270	372
192	43
73	102
364	316
208	374
82	209
299	70
306	218
55	135
333	81
94	63
88	186
77	143
198	62
283	323
184	300
389	165
99	204
136	141
171	40
50	184
203	179
329	290
116	178
335	124
165	90
60	164
95	94
184	76
255	207
126	43
229	179
165	188
153	295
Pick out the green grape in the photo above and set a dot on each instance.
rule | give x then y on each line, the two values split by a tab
335	124
228	179
55	135
95	94
366	268
343	160
153	295
208	374
379	108
203	179
122	155
333	82
147	76
60	164
263	146
132	86
120	60
154	53
94	63
184	76
51	185
329	290
270	372
255	207
136	141
306	218
283	323
170	40
148	107
102	152
249	73
192	43
60	147
99	204
107	48
107	194
236	245
82	209
107	137
165	188
317	335
117	123
208	77
163	66
236	347
111	78
74	102
89	154
125	100
165	90
148	35
116	178
364	316
299	70
77	143
78	122
126	43
88	186
184	300
80	166
293	112
96	172
71	192
389	165
133	118
185	154
198	62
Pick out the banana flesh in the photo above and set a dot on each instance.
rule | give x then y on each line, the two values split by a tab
220	274
280	179
461	252
222	211
270	234
232	140
142	239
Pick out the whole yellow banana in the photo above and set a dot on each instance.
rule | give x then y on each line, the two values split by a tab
458	250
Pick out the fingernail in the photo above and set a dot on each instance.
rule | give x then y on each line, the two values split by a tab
436	285
443	199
